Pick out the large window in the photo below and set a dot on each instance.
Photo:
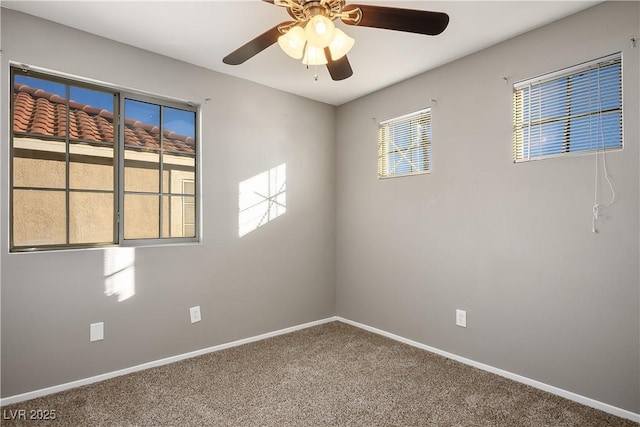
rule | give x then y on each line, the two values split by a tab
404	145
95	166
578	109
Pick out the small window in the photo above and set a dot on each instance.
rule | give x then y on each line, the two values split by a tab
575	110
404	145
93	166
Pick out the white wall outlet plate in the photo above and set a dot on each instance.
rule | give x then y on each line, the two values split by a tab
96	331
195	314
461	318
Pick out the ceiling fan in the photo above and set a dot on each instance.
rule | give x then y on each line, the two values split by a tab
313	37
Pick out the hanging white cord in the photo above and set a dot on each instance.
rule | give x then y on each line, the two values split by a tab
597	206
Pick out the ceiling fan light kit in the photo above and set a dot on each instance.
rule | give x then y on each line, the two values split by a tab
309	43
319	31
314	56
293	42
340	45
314	37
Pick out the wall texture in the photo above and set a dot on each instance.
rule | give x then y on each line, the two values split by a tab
510	243
279	275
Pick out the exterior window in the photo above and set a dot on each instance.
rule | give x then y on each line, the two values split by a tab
80	177
404	145
575	110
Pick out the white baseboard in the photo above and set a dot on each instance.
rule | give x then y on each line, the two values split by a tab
73	384
619	412
515	377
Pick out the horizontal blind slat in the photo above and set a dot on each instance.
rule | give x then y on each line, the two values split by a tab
580	110
404	144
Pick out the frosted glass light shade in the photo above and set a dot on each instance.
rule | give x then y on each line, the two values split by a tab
314	56
292	42
319	31
340	45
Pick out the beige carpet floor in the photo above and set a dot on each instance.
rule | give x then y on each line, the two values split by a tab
328	375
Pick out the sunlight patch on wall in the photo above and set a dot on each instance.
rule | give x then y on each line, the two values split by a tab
261	199
120	273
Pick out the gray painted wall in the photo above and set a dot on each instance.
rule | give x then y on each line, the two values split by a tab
278	276
550	301
510	243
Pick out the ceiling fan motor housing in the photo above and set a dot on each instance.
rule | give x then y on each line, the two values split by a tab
303	10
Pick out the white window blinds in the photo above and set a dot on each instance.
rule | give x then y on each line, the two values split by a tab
404	145
573	110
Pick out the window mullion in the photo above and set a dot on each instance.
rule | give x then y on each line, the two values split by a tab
67	164
120	172
161	178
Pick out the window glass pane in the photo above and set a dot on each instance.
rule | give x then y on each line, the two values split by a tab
591	132
189	230
39	217
551	100
188	186
91	115
91	121
91	217
180	122
596	89
179	150
142	170
178	216
147	115
91	172
400	136
189	212
417	158
39	107
142	144
39	169
141	216
547	138
39	127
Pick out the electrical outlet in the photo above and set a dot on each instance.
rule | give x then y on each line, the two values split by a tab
195	314
96	331
461	318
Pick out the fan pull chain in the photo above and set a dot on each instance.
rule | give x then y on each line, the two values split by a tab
315	72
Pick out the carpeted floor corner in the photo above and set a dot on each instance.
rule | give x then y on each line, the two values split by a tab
328	375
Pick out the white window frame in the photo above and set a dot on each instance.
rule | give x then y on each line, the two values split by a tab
419	141
524	124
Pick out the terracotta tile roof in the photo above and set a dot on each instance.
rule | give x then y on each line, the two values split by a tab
43	113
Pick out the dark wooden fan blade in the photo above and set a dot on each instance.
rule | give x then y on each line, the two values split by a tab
255	46
339	69
408	20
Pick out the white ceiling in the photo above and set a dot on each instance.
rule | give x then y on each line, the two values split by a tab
203	32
